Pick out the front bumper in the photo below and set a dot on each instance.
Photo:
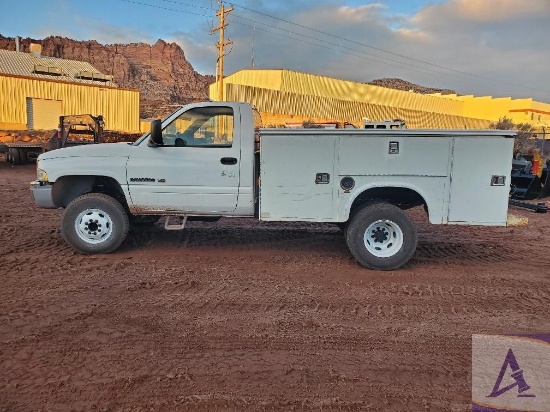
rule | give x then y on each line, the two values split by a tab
42	195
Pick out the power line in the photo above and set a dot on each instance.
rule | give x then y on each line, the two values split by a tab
350	53
353	41
374	57
364	55
336	46
189	4
164	8
386	51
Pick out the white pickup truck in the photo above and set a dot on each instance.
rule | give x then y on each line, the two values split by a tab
209	160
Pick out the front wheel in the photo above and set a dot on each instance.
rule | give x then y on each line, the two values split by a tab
381	236
94	223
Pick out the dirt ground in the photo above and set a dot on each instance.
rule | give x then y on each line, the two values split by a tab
247	316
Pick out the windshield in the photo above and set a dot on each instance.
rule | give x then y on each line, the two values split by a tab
214	124
200	126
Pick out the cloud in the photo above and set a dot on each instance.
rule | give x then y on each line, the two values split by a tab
486	11
360	13
482	47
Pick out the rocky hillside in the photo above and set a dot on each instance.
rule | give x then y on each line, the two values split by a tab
407	86
161	71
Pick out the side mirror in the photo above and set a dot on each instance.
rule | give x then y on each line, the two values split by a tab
156	133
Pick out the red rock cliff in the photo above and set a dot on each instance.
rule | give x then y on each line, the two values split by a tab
160	71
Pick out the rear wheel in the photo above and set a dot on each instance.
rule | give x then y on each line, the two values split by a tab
381	236
22	156
94	223
14	156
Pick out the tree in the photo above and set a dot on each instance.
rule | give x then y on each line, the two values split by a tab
522	144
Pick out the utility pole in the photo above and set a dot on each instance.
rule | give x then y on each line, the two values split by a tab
221	45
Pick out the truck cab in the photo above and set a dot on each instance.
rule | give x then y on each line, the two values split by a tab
201	163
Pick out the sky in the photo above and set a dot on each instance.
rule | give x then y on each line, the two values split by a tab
493	48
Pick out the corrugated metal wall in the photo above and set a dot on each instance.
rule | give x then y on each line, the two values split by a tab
302	83
119	107
269	79
282	93
318	107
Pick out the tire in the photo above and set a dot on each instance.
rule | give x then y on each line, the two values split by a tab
342	226
381	236
14	156
8	156
94	223
22	156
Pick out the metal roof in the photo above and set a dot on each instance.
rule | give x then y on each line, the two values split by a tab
24	64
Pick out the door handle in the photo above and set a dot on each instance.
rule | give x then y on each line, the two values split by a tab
228	160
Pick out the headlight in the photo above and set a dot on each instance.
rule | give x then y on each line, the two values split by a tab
41	175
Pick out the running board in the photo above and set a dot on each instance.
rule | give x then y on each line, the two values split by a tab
170	226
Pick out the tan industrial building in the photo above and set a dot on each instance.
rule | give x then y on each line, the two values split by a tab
36	90
284	96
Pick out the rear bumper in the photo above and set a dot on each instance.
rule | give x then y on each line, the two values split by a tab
42	195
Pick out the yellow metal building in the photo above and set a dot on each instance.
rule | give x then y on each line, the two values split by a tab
36	90
284	96
526	110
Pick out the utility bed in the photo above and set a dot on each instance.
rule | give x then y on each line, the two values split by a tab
462	175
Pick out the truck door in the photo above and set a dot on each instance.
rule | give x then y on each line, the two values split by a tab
197	168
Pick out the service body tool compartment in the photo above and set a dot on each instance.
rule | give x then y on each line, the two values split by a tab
297	176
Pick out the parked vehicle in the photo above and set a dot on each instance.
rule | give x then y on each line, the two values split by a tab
211	159
72	130
527	183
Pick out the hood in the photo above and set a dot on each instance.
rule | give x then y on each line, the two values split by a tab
90	150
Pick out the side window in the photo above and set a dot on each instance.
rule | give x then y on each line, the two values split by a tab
201	127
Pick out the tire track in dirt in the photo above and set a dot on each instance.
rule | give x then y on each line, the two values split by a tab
247	315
